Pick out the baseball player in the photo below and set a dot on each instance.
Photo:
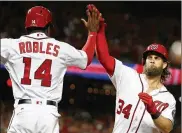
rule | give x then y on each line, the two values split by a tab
143	104
37	64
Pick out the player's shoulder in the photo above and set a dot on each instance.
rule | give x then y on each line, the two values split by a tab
8	41
171	97
168	94
127	67
62	44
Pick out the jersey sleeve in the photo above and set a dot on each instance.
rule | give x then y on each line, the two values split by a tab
170	111
75	57
122	73
5	49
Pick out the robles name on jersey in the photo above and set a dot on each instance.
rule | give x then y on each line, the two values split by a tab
37	47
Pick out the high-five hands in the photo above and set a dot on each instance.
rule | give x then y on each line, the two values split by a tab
93	20
90	7
102	23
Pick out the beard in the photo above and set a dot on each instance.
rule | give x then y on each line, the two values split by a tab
153	70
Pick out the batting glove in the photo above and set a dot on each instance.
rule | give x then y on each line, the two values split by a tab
150	105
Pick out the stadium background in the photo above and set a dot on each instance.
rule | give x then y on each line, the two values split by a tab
88	96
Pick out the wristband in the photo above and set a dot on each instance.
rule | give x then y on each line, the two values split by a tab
93	33
156	115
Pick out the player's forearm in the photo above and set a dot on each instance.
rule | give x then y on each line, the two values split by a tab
89	47
103	55
164	124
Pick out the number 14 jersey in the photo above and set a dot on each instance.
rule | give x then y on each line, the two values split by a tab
37	65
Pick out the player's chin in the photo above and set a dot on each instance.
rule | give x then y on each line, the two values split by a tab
153	73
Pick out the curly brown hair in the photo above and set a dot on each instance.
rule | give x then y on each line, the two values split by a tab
165	73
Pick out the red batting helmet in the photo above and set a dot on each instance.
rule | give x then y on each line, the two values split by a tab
38	16
158	48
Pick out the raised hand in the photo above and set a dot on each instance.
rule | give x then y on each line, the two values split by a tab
93	20
102	23
90	7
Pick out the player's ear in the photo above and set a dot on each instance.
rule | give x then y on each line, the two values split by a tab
164	65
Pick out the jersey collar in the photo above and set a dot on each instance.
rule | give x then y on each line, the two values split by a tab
154	92
37	35
157	91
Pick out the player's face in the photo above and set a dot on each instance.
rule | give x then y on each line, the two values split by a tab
154	65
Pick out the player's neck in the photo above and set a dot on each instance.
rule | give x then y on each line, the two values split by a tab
154	82
35	31
38	31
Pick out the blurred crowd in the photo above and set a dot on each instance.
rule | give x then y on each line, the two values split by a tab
71	121
76	121
128	33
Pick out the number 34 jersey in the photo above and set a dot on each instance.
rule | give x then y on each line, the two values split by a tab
37	65
131	115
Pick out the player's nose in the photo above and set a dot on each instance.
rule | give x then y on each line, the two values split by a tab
152	61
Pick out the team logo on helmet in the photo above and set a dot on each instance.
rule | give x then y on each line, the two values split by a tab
33	23
153	47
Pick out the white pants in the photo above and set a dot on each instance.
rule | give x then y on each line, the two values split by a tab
32	118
